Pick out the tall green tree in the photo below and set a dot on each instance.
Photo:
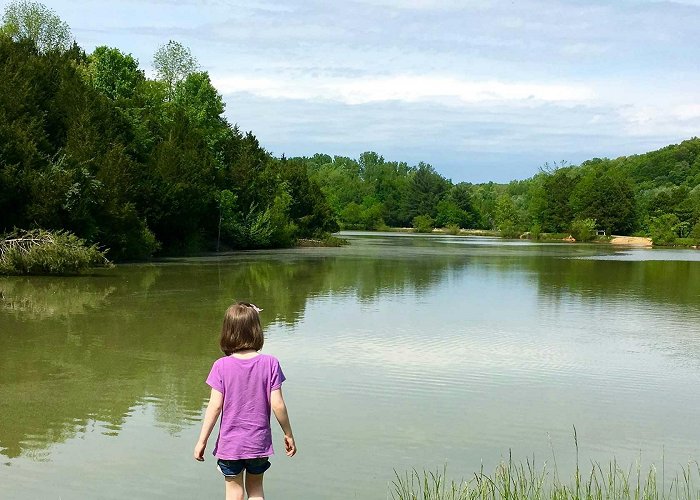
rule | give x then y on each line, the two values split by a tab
173	63
34	21
556	213
606	195
425	189
114	74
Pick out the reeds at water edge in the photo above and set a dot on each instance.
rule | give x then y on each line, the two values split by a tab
524	481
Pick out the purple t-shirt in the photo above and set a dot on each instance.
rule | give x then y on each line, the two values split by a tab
246	384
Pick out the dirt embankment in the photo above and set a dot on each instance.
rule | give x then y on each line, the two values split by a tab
635	241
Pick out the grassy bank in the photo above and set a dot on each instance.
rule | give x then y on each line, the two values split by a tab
525	481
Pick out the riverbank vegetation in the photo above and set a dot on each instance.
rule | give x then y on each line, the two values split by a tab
143	166
524	481
45	252
655	194
150	166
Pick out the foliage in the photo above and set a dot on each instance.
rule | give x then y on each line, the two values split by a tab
551	198
173	63
452	229
509	230
91	145
695	233
45	252
685	242
606	195
88	144
114	74
622	195
583	229
32	21
506	215
423	224
663	229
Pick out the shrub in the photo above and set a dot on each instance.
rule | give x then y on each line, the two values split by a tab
684	242
452	229
536	231
509	230
423	224
663	230
695	233
583	229
46	252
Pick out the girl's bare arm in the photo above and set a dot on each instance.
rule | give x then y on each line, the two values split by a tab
279	408
216	401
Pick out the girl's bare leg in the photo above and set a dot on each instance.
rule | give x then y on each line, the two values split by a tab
234	487
254	486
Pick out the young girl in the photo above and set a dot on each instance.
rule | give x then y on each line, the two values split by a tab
245	385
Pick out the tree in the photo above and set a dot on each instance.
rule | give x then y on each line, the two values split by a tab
606	195
26	20
449	213
114	74
506	216
663	229
203	105
556	213
425	190
695	233
173	63
423	224
583	229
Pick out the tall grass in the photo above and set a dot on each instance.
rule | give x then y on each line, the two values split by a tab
524	481
518	481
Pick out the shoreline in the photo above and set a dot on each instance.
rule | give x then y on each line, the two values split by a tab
632	241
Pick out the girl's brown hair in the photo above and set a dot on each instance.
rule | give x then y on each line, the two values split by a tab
241	329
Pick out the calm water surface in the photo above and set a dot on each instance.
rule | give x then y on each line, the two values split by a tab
400	351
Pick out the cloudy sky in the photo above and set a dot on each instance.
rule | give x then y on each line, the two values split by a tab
481	89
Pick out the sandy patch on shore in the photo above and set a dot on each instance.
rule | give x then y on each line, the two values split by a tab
635	241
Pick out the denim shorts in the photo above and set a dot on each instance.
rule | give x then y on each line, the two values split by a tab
231	468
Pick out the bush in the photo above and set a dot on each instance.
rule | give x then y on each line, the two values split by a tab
583	229
695	233
509	230
452	229
662	229
685	242
536	231
423	224
45	252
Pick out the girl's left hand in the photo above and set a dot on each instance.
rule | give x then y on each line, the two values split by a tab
199	451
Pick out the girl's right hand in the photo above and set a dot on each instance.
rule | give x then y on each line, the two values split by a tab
289	446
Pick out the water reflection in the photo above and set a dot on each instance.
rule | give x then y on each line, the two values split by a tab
91	349
40	297
80	351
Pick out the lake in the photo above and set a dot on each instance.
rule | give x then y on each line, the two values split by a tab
400	351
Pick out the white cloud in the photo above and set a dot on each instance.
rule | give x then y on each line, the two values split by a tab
678	121
482	89
687	112
404	88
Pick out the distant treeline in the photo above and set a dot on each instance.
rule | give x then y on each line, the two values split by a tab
655	194
90	145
